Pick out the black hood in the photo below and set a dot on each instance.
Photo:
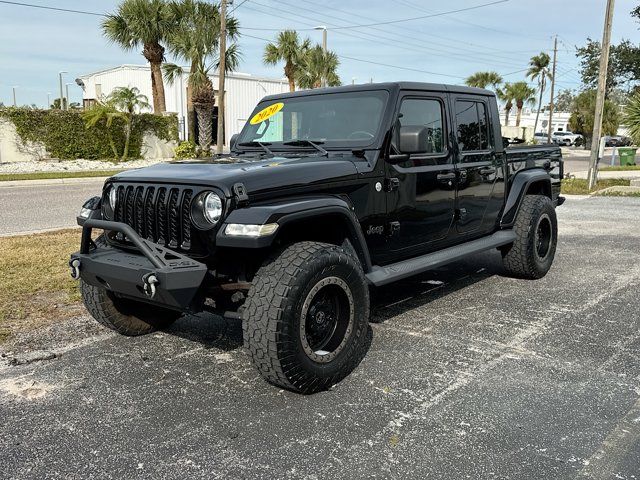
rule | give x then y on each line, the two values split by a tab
257	175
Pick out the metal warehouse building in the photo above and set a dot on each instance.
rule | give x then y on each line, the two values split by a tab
242	92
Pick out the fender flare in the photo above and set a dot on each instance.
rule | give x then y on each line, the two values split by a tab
288	211
519	187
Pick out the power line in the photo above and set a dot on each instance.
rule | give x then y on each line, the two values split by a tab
432	15
44	7
393	21
238	6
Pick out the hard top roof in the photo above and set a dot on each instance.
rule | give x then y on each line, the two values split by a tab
391	86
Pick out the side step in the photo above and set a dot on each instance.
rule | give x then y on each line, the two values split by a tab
397	271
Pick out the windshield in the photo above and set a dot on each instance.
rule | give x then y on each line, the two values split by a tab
350	119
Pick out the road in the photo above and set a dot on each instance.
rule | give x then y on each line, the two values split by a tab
26	209
469	375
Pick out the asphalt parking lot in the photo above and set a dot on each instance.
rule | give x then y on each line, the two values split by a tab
469	375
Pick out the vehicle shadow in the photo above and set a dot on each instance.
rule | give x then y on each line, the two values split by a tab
213	331
420	290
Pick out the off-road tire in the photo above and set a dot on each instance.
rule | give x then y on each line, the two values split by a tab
522	259
273	313
125	316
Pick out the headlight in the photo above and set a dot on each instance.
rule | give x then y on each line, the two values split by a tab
206	210
113	198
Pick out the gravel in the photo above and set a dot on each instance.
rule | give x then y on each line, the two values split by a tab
79	165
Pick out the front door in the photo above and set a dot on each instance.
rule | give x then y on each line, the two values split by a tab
479	169
421	191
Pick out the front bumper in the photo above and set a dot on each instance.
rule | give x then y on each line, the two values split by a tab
152	274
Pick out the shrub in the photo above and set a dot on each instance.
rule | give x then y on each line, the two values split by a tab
64	135
186	150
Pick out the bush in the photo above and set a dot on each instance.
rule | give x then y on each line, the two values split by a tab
186	150
64	135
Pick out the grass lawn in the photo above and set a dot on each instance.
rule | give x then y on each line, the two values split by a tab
618	168
5	177
578	186
36	289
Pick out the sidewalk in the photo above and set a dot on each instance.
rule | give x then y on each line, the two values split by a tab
52	181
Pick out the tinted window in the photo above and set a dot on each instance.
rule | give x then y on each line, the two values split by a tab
473	131
425	113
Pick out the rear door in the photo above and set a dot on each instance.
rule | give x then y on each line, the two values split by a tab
479	168
421	191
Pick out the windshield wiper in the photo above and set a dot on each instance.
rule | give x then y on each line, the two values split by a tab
303	142
255	143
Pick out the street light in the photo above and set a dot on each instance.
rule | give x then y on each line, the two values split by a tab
324	47
15	104
60	73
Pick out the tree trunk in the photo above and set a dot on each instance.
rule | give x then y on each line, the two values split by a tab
519	116
204	111
154	53
290	74
542	87
157	89
507	112
127	138
191	117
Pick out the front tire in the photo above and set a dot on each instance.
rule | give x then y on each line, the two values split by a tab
125	316
305	319
536	227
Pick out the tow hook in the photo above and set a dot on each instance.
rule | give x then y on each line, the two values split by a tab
75	268
150	281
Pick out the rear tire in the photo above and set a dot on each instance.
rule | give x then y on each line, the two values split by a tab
536	227
305	319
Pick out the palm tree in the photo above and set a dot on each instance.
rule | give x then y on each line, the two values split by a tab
142	23
316	65
631	116
195	39
484	79
522	94
289	50
505	95
128	101
103	112
539	70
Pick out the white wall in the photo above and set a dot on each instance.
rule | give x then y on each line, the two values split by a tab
560	120
243	92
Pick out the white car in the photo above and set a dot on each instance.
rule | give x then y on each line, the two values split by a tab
565	138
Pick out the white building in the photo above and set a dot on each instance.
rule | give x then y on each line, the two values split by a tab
242	92
560	120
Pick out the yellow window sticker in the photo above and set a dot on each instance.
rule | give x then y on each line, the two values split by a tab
267	112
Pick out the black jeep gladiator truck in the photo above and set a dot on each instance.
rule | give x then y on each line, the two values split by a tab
326	193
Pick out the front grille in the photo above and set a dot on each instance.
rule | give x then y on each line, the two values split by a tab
159	214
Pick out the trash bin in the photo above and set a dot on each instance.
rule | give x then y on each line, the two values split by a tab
627	156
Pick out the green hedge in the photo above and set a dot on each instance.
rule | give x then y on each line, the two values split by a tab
64	135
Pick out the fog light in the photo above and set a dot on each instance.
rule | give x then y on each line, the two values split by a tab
242	230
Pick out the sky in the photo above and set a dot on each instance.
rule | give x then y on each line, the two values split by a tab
36	44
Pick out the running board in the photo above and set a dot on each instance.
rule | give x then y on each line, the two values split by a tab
397	271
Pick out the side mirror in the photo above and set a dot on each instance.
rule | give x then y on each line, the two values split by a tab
411	139
232	142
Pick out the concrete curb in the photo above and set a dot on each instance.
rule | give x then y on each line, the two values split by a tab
52	181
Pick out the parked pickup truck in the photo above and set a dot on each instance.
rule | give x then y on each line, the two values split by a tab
326	196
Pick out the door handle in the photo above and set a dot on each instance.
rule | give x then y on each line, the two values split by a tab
487	171
446	176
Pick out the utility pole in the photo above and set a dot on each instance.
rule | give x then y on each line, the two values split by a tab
221	73
324	48
15	104
48	100
68	99
600	97
553	88
61	92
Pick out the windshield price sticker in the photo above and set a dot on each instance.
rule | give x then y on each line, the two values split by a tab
267	112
